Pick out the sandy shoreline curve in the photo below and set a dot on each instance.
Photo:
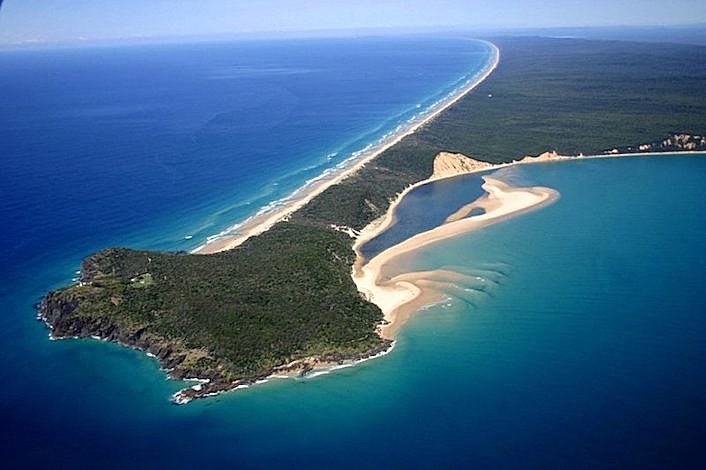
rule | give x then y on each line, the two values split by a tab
260	223
400	294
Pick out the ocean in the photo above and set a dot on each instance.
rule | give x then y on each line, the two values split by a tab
585	348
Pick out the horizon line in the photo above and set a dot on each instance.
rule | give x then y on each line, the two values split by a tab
321	33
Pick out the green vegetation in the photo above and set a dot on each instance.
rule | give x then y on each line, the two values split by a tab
577	96
287	294
568	95
143	280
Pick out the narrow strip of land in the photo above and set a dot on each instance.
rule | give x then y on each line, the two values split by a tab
263	222
285	296
395	296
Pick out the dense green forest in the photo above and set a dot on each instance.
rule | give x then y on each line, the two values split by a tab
572	96
238	314
287	294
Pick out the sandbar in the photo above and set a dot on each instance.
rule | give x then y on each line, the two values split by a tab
400	295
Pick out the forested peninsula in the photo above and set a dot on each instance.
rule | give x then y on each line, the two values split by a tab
284	301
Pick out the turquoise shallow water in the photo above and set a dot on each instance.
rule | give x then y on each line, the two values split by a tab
160	146
581	344
588	348
586	351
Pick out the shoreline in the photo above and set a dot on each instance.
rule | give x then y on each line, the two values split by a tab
308	367
212	385
302	369
402	295
411	292
399	295
259	223
405	294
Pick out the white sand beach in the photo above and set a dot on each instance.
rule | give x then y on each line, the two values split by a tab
402	294
262	222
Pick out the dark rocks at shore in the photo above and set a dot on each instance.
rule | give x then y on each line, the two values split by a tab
57	311
677	142
383	346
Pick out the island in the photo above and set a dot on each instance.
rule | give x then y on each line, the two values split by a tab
286	300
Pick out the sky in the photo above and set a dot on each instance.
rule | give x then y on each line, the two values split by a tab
28	21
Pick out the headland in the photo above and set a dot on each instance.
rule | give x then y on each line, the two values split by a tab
286	297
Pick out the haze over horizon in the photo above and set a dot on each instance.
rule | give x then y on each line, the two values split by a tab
50	21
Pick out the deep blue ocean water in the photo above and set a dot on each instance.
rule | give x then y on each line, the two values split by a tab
586	349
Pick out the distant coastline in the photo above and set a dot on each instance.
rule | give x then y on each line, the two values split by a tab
259	223
180	360
305	256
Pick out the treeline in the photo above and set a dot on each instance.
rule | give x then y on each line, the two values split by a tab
288	293
569	95
284	295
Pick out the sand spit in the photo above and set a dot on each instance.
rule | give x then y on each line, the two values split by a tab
400	295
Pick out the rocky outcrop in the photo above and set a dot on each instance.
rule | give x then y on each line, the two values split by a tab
677	142
60	311
57	312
